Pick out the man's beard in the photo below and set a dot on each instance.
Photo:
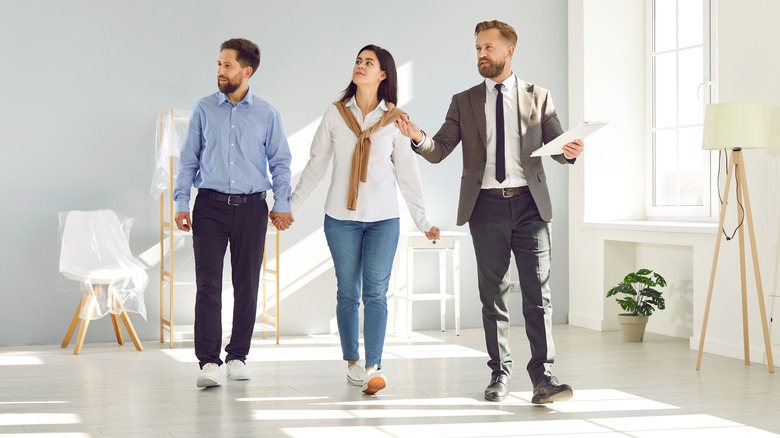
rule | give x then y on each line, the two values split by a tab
492	69
229	87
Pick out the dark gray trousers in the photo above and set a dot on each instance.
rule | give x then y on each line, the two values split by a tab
500	227
215	225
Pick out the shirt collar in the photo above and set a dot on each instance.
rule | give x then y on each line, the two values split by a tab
222	98
382	103
509	83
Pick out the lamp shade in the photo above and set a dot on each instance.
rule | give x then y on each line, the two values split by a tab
774	128
735	125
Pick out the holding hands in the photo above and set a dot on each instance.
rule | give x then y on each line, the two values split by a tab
281	220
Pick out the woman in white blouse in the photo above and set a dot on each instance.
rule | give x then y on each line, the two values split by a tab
369	156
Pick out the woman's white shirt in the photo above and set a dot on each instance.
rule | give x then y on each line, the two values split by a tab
390	161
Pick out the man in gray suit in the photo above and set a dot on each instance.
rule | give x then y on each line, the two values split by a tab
505	200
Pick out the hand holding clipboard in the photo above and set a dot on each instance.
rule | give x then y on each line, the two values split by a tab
555	146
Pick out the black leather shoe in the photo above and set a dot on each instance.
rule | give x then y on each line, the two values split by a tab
498	388
550	391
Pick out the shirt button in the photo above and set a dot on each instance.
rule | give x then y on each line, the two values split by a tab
231	144
231	163
232	182
233	126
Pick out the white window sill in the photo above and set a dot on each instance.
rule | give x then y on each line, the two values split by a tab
659	226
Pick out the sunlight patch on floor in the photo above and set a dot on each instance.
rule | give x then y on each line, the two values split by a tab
13	359
430	352
316	414
595	400
446	401
47	435
37	419
600	400
278	399
570	428
332	352
36	402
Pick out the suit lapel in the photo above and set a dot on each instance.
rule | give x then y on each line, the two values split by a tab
525	94
478	97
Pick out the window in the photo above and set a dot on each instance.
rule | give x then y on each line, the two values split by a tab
681	182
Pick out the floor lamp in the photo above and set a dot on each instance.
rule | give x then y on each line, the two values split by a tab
737	126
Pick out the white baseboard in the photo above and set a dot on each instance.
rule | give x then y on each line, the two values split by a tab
736	351
586	321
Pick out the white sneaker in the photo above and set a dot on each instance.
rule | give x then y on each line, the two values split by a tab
237	370
210	375
356	374
375	381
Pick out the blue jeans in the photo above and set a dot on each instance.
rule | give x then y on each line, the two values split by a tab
363	254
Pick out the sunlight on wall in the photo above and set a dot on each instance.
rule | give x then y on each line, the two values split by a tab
311	253
405	83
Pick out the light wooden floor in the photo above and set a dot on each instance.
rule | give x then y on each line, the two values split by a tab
436	380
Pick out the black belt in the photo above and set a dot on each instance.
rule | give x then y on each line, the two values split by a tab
233	200
506	192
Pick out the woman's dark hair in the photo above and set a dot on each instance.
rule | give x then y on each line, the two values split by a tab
248	52
388	88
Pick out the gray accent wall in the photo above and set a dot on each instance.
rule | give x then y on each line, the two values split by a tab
85	80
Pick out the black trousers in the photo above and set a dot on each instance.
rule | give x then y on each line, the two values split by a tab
214	225
500	226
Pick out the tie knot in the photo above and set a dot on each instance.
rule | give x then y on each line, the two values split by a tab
498	88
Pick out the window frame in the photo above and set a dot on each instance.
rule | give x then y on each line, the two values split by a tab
708	211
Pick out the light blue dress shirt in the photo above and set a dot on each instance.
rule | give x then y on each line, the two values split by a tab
230	148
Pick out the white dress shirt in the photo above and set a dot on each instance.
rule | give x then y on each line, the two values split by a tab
390	161
514	170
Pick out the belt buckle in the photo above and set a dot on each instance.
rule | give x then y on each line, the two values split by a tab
233	196
504	193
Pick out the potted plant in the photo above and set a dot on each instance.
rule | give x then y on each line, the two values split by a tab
637	295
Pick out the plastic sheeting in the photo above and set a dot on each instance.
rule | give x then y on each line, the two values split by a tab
171	130
95	251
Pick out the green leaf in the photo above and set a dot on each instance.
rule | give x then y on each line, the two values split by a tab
637	294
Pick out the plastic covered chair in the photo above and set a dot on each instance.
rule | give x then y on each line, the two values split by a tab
95	251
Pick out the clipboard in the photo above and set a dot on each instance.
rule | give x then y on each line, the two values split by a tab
581	130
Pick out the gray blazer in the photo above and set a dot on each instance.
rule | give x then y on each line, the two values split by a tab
465	123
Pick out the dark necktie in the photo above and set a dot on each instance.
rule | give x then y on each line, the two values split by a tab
500	166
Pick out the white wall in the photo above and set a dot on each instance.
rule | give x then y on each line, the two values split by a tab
747	71
86	79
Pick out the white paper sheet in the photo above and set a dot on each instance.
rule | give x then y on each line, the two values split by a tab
580	131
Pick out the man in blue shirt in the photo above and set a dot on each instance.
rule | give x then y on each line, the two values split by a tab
233	140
